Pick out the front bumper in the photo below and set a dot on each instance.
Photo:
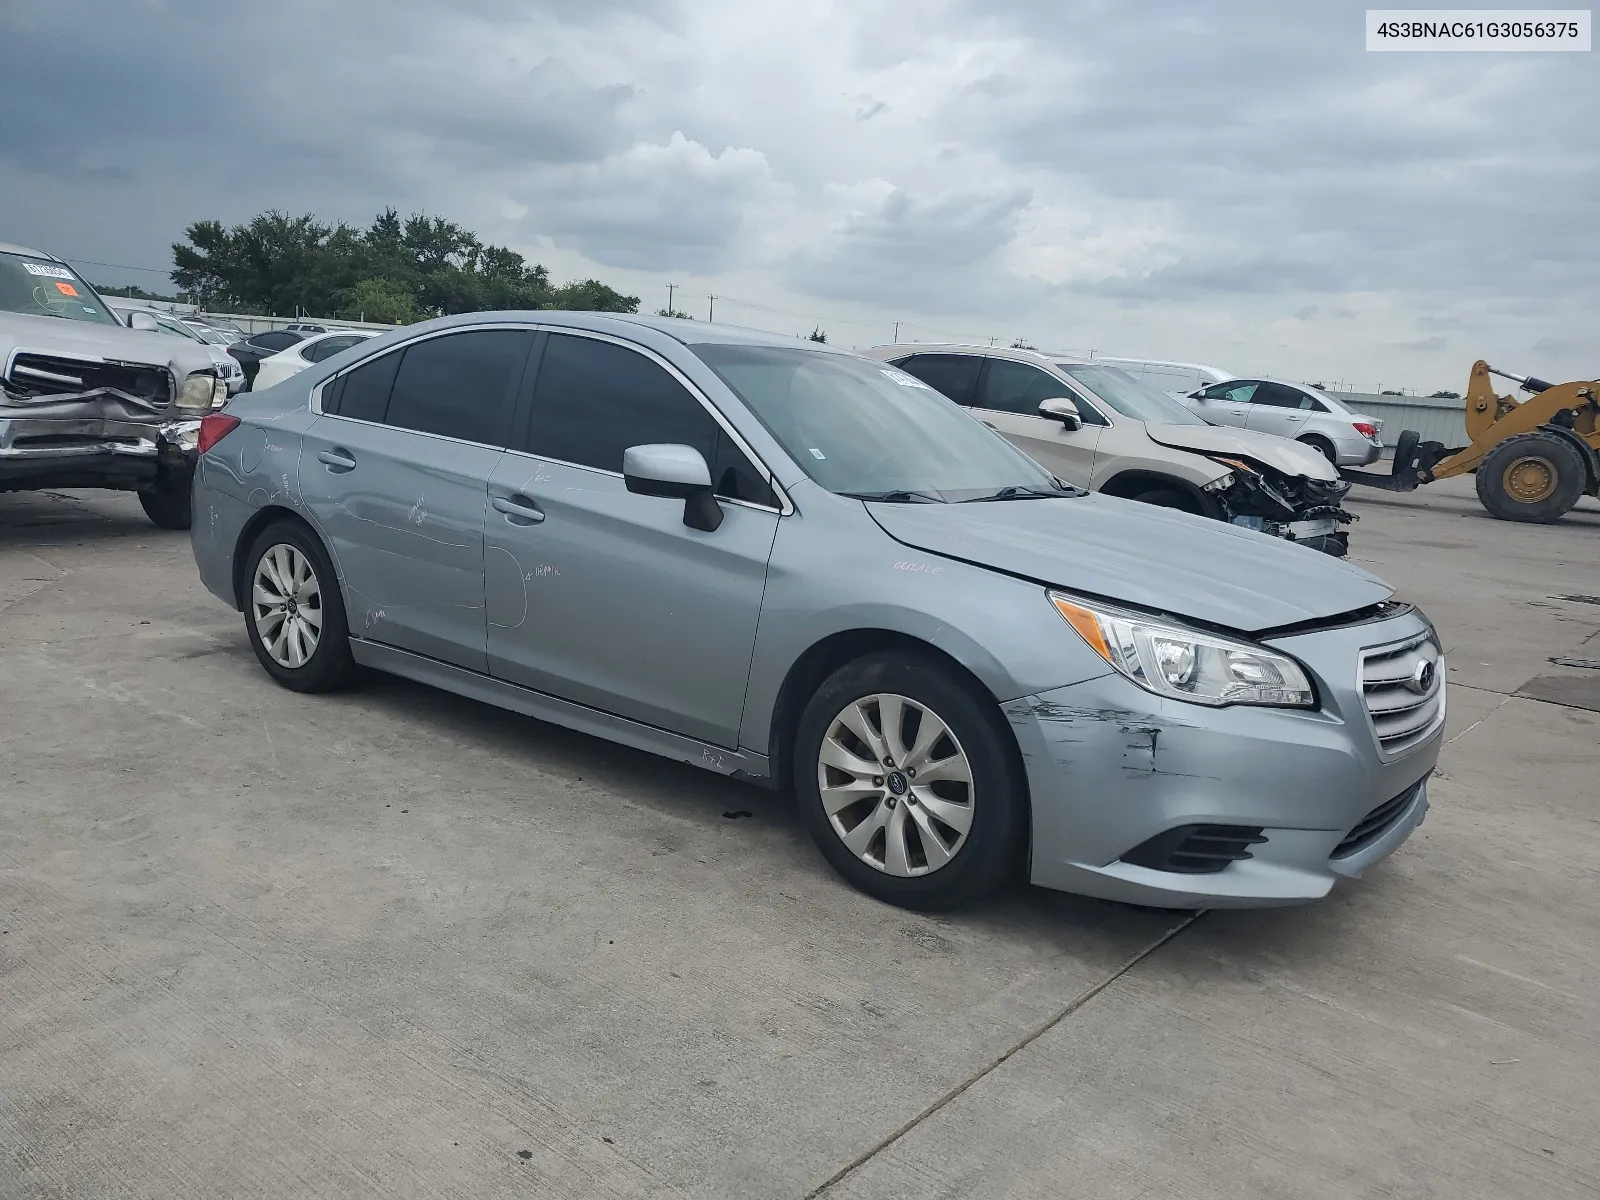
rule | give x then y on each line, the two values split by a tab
1111	767
110	447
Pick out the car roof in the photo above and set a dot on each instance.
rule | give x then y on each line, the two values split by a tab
1166	362
12	248
1019	354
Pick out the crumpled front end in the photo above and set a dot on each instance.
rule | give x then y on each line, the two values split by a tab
1295	507
105	425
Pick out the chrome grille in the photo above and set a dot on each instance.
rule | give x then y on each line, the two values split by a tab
31	375
1402	686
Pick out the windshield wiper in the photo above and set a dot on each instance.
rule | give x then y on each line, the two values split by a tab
897	496
1025	493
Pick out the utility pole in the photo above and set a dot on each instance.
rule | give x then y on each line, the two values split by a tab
670	309
711	316
991	341
897	333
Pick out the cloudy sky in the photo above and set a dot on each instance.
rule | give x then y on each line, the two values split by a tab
1235	182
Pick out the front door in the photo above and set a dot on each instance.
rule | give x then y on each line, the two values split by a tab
396	476
1009	395
607	598
1227	403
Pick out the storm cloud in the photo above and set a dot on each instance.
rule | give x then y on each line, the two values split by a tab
1238	182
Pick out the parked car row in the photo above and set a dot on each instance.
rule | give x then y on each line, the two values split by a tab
1292	410
814	569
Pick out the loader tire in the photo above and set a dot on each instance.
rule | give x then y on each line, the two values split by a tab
1531	477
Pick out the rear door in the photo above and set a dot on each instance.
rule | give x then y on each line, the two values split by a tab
396	475
1009	395
953	375
1278	409
605	597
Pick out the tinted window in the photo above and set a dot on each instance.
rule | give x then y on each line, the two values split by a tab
330	346
1275	395
364	393
461	385
594	399
954	375
275	339
1018	388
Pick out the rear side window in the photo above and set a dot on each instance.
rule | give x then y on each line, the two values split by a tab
364	392
328	347
460	385
594	399
275	339
1276	395
953	375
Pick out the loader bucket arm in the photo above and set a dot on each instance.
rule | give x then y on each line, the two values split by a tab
1491	419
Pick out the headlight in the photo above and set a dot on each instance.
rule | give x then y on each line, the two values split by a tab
198	390
1173	660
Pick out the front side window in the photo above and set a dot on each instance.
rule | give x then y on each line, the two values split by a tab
1129	396
866	429
594	399
460	385
37	288
1016	387
952	375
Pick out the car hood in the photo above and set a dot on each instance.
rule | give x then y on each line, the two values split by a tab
53	335
1138	554
1279	453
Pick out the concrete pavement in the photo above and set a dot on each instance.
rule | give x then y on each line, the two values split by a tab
396	943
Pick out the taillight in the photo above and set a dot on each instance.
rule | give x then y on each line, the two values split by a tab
1365	430
213	428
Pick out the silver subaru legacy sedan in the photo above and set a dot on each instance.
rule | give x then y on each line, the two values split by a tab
803	567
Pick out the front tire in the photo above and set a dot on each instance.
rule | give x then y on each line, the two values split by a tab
1165	498
1322	446
909	782
294	613
1531	477
168	502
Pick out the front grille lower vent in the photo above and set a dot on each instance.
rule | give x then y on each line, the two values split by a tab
1402	687
1196	849
1376	823
40	375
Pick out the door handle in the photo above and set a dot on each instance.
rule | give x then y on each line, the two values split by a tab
519	510
337	460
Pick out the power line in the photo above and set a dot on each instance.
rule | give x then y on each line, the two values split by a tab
89	262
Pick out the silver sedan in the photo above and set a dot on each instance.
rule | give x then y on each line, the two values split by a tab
807	569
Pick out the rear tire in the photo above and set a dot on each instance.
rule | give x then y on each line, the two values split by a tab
167	503
1534	477
1322	446
294	613
961	831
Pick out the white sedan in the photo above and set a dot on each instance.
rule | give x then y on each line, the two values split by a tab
278	367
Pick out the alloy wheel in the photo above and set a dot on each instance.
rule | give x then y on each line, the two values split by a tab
895	784
286	605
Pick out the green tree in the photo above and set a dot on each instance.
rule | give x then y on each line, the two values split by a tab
590	295
672	312
1444	395
387	300
816	334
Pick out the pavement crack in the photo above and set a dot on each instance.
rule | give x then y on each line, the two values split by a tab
988	1068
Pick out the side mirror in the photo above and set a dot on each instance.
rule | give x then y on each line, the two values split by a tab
678	473
143	320
1063	410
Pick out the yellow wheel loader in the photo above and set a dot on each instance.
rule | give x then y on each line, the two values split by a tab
1533	458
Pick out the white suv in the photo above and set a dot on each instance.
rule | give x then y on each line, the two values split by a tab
1096	426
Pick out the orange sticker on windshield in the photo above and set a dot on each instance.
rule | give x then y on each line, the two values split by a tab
66	289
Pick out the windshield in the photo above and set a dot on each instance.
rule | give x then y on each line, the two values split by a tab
48	289
1130	397
867	429
214	337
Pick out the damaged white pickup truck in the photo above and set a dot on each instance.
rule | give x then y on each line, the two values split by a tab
86	402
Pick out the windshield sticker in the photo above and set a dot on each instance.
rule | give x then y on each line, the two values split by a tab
66	289
903	379
47	271
816	454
